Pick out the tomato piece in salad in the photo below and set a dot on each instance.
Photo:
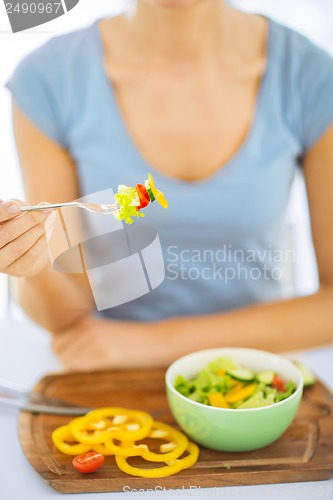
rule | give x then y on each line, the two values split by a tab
143	196
278	383
88	462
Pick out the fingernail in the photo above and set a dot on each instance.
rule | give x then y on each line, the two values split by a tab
45	210
13	209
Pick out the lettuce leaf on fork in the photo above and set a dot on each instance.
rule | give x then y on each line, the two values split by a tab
128	199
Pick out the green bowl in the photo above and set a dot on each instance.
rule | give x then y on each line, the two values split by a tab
233	429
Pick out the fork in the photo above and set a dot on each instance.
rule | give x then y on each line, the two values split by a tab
91	207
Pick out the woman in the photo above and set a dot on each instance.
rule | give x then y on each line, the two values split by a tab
223	105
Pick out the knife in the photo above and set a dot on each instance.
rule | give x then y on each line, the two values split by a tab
43	408
35	402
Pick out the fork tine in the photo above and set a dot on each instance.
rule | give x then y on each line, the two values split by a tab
100	209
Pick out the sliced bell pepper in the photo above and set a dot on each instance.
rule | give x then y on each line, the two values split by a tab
176	444
101	448
218	400
158	195
133	426
236	386
171	468
143	196
65	442
244	392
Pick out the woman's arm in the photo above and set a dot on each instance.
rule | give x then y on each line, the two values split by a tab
96	343
286	325
52	299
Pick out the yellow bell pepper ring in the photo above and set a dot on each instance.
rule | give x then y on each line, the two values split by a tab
175	446
126	425
102	449
171	468
159	196
62	439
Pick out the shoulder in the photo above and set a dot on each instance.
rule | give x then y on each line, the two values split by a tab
301	83
57	64
60	51
297	53
46	81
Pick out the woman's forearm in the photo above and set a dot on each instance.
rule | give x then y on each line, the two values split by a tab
294	324
95	343
54	300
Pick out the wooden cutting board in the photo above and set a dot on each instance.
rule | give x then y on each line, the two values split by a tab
303	453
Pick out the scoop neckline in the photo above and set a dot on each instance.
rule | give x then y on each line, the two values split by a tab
234	161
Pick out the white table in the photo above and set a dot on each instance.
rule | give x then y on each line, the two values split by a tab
25	356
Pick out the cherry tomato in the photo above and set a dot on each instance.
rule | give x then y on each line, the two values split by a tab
143	196
88	462
278	383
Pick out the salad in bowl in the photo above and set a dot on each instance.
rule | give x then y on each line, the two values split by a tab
233	399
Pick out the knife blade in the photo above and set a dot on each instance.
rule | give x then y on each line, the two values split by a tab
44	408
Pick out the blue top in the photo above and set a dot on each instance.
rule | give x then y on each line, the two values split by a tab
223	237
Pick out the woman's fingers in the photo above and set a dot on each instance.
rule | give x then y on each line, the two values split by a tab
37	256
8	210
11	229
24	243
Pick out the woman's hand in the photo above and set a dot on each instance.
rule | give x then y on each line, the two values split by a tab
23	240
95	344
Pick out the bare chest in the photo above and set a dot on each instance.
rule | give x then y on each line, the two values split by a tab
187	126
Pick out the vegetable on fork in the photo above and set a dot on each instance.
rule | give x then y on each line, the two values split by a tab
131	200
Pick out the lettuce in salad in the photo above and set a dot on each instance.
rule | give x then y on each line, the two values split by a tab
225	384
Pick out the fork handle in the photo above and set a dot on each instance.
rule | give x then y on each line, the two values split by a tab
30	208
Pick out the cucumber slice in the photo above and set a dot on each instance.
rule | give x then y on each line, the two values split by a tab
266	376
151	195
308	376
242	374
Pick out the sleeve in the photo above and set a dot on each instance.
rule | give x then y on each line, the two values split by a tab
36	89
315	94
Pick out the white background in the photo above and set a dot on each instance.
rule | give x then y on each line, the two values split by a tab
314	18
